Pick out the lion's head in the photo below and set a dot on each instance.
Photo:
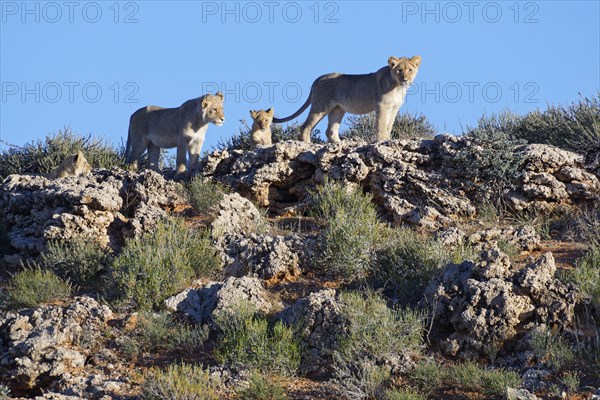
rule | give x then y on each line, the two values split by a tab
404	70
212	108
262	118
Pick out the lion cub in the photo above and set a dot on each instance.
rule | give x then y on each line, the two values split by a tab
261	127
73	165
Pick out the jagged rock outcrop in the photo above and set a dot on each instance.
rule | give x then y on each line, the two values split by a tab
236	214
200	304
417	181
525	238
106	206
50	343
320	322
482	305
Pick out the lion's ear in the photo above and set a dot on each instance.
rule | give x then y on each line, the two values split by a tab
253	113
204	104
416	60
219	94
76	156
393	62
270	111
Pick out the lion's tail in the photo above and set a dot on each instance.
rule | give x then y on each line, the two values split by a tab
294	115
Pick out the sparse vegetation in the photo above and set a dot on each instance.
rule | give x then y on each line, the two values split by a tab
151	269
44	156
262	387
404	394
34	286
181	382
348	242
79	260
468	376
586	276
406	126
374	334
160	331
248	340
204	196
551	348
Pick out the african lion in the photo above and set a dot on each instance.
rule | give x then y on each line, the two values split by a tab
183	127
73	165
336	94
261	127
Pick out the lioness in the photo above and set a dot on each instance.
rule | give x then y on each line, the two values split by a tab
336	94
261	127
183	127
73	165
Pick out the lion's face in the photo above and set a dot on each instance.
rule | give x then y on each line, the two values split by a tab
404	70
80	164
212	109
262	118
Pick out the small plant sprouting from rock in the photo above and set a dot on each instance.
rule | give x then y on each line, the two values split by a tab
181	381
248	340
35	286
551	348
347	245
150	270
160	331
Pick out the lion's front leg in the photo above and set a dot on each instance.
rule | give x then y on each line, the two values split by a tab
182	147
382	125
194	151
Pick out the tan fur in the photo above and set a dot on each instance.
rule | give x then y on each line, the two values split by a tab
183	127
73	165
261	127
335	94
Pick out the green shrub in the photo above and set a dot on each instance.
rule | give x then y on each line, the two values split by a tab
347	244
261	387
550	347
574	127
204	196
159	265
249	341
79	260
181	382
243	139
374	334
406	126
34	286
409	262
44	156
493	158
160	331
4	392
468	376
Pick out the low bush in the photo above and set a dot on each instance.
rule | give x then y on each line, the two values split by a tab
262	387
468	376
249	341
204	196
44	156
34	286
408	262
551	348
404	394
181	382
159	265
80	260
346	247
406	126
374	334
160	331
586	276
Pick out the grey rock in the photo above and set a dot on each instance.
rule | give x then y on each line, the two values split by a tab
236	214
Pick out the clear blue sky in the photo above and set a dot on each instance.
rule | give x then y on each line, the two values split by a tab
89	65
